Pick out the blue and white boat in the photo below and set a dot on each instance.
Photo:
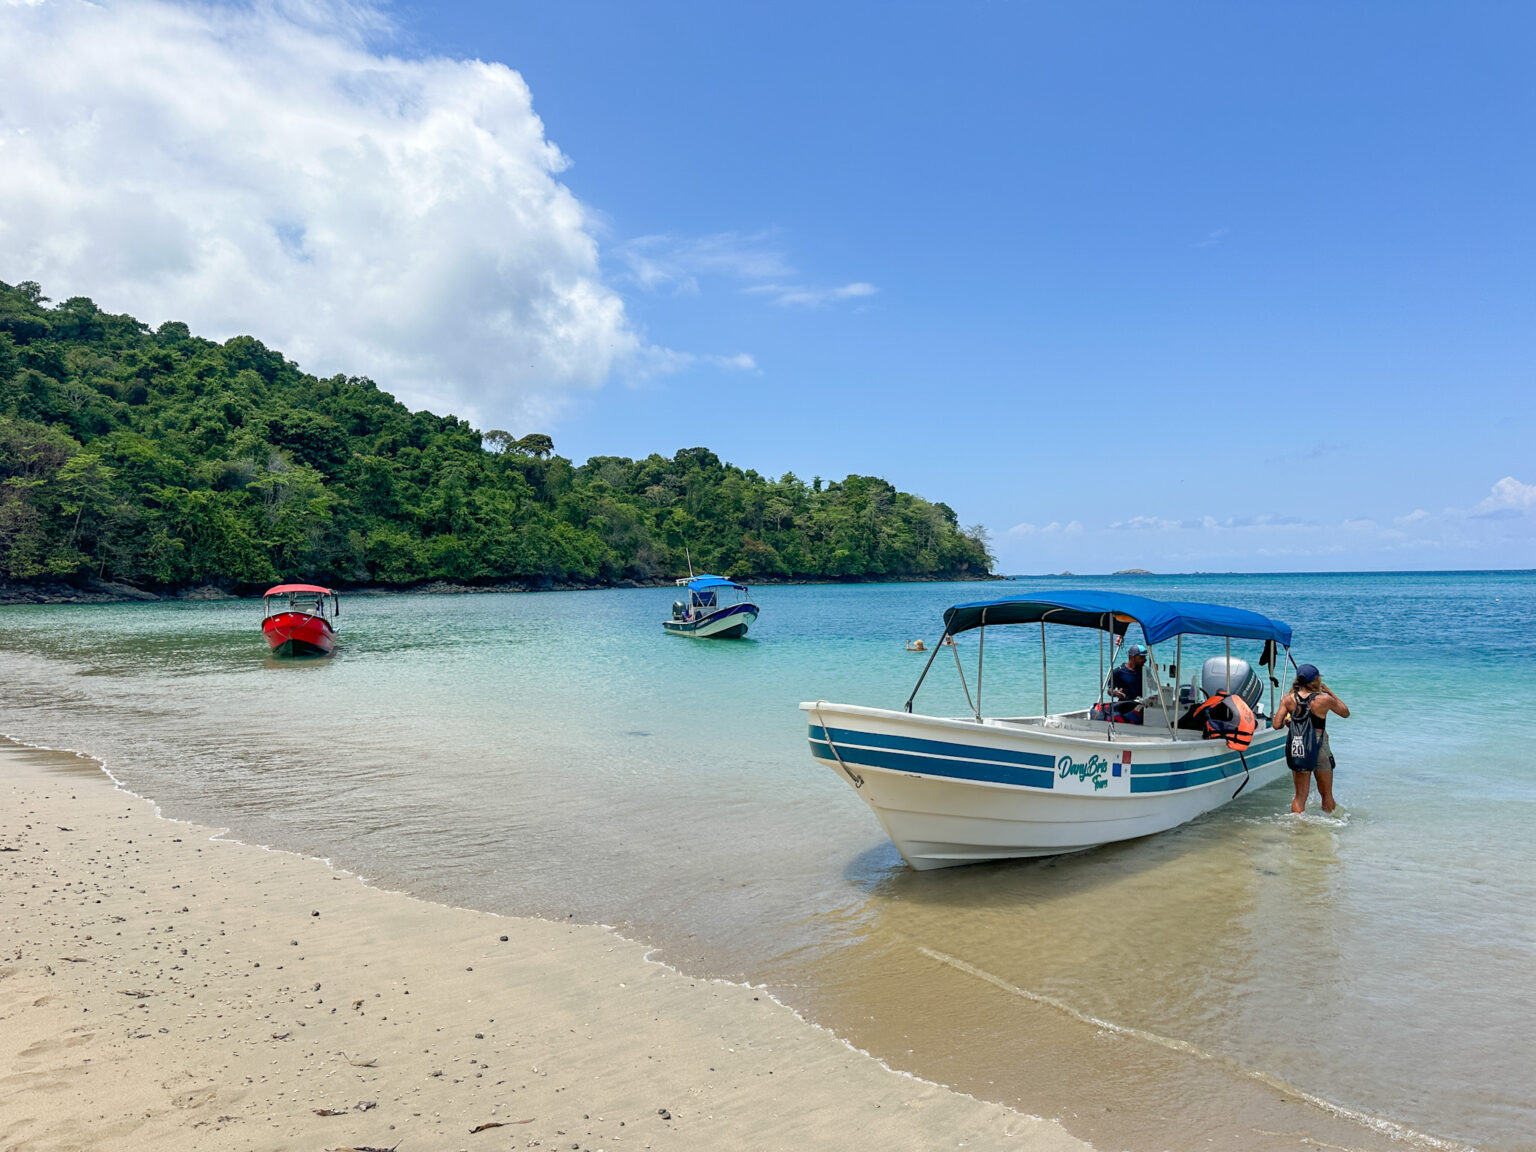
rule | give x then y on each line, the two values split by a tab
960	790
716	608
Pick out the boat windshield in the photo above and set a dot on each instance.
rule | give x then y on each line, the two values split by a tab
713	591
308	603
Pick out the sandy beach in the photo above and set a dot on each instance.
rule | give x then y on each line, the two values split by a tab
162	988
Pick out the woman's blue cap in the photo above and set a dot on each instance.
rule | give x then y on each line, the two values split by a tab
1307	673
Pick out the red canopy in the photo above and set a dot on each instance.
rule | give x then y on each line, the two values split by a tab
286	589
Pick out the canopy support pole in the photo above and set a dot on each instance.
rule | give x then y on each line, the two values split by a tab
1108	723
955	648
1229	665
937	648
1157	686
1045	677
1293	664
981	651
1178	668
1270	658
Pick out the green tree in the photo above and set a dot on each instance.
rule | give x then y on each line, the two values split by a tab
166	459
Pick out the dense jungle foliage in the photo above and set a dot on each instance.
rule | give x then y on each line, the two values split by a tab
166	461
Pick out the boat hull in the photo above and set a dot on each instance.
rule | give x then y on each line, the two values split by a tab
952	792
299	634
728	623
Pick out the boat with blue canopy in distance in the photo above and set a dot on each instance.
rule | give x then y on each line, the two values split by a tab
958	790
716	609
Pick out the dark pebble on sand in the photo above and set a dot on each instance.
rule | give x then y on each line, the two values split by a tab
503	939
663	1113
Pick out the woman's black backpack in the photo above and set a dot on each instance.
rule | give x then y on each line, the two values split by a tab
1303	741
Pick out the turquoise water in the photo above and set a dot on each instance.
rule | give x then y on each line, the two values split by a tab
1251	980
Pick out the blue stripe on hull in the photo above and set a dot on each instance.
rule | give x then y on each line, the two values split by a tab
1191	774
929	765
934	747
1028	769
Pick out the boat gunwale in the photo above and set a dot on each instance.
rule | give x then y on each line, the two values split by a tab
1012	732
304	617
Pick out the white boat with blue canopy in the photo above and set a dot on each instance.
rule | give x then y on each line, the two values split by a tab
959	790
717	608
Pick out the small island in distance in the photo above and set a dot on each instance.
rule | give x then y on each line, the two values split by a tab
1131	572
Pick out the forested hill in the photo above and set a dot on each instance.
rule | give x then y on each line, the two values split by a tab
166	461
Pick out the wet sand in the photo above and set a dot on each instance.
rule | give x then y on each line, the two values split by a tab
162	988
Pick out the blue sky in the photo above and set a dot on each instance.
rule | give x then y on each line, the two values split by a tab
1176	286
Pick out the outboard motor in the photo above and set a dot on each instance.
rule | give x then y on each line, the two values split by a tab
678	608
1245	682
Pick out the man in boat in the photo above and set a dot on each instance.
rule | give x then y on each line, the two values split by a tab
1125	685
1311	697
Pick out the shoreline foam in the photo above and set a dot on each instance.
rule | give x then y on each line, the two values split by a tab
163	986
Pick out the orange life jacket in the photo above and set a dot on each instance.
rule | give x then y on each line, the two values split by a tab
1227	717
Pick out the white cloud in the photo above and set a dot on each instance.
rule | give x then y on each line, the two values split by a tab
1146	524
259	168
741	362
1054	528
674	262
680	263
1500	531
1510	494
652	362
801	296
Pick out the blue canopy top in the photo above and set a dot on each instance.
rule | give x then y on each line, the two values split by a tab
1117	611
699	583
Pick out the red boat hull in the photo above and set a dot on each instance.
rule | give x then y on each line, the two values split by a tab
299	634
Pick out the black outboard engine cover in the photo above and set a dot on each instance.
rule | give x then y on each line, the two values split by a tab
678	609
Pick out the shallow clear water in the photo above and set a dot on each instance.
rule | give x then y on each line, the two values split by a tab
557	754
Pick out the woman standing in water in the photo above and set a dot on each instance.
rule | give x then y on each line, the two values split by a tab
1311	696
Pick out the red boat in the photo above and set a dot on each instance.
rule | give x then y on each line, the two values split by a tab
299	619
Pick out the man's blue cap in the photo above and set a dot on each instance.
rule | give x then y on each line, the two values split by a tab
1135	650
1307	673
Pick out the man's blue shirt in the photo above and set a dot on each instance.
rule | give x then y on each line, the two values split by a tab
1128	680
